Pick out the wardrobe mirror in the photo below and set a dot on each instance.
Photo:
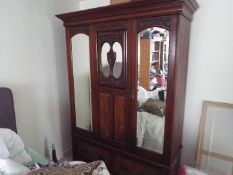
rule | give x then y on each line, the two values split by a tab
117	68
81	73
153	47
111	59
104	59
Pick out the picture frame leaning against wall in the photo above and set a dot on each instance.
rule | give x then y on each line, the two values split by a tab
215	142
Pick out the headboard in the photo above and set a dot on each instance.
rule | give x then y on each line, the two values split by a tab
7	111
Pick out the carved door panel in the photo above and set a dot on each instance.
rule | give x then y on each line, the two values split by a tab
112	85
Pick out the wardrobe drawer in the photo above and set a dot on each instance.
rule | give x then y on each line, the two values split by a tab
89	153
127	166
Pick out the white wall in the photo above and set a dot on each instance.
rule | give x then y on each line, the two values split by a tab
33	65
210	66
87	4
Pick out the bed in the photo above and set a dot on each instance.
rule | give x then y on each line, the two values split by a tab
150	120
150	131
10	166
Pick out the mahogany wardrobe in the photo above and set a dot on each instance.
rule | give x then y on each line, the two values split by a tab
127	67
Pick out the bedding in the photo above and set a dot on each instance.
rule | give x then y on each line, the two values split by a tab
11	167
150	131
3	150
144	95
15	146
93	168
150	120
17	161
154	106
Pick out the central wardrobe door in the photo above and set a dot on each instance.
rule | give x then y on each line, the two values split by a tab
112	85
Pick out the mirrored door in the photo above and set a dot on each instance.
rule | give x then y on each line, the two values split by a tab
153	47
82	78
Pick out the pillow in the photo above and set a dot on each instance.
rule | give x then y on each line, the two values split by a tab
4	154
154	107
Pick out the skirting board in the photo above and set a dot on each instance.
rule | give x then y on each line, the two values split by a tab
67	155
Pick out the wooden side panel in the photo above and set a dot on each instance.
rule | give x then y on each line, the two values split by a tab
106	115
144	74
183	32
120	118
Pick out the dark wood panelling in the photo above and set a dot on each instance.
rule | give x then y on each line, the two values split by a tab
181	64
134	87
127	166
170	90
111	26
121	118
89	153
94	92
111	33
164	22
122	155
106	115
115	89
79	29
71	78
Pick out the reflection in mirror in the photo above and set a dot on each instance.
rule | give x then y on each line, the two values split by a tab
81	73
117	69
104	59
153	46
